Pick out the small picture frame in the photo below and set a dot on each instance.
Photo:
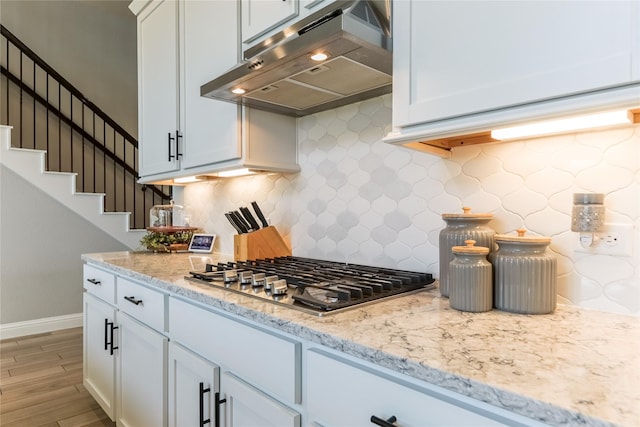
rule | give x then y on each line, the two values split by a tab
202	243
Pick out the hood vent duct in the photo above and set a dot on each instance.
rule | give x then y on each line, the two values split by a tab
279	74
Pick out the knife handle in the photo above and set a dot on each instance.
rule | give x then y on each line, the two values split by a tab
250	219
258	212
233	223
240	221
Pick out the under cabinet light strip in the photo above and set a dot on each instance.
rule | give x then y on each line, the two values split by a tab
186	180
235	172
550	127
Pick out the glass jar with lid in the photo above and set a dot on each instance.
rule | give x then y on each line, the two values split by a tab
170	215
460	227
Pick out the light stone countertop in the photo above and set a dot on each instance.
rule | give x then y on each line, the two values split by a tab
573	367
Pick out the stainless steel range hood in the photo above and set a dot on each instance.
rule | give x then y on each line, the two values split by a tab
279	75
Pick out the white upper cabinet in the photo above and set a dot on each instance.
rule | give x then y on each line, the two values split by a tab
262	19
178	51
261	16
158	91
211	131
181	46
465	66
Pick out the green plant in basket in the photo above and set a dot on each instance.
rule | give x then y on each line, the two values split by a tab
160	241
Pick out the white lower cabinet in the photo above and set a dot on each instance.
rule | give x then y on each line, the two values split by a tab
141	374
269	361
193	384
125	349
99	363
260	383
343	392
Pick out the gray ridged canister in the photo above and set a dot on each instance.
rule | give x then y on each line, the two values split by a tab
524	274
461	227
470	278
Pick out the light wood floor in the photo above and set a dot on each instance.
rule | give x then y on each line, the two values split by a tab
41	382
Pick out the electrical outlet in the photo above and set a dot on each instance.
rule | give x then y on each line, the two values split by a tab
614	239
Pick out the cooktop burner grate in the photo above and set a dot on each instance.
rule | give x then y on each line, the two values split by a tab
312	286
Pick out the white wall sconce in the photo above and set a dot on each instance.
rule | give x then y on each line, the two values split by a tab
587	216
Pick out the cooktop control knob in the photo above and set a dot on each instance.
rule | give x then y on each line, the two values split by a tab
268	282
246	277
257	280
230	276
279	287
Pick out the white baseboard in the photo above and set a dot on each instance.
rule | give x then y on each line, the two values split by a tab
39	326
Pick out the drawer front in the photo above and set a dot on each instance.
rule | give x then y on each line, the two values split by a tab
143	304
100	283
342	392
270	362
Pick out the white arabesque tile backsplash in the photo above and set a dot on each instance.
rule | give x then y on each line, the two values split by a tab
358	199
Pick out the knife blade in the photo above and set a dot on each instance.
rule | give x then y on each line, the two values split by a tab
250	219
258	212
240	221
233	223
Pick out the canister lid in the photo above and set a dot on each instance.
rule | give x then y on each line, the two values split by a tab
521	238
466	213
470	249
588	198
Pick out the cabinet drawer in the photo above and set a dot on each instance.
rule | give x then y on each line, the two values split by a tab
342	392
270	362
143	304
100	283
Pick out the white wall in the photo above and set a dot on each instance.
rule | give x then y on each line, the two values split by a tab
40	246
92	43
360	200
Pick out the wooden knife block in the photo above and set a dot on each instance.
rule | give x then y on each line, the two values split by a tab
259	244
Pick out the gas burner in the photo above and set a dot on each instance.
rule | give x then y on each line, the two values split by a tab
313	286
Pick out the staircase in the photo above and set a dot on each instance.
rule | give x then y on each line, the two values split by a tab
30	165
62	143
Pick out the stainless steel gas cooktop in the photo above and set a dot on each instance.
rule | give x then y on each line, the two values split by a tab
312	286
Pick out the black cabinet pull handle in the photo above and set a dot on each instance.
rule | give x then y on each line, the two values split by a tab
170	138
178	153
217	404
202	392
109	343
389	422
106	332
133	300
94	281
112	347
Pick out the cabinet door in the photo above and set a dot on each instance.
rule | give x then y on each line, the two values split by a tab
458	58
99	364
246	406
343	393
210	127
141	375
192	384
158	87
261	16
